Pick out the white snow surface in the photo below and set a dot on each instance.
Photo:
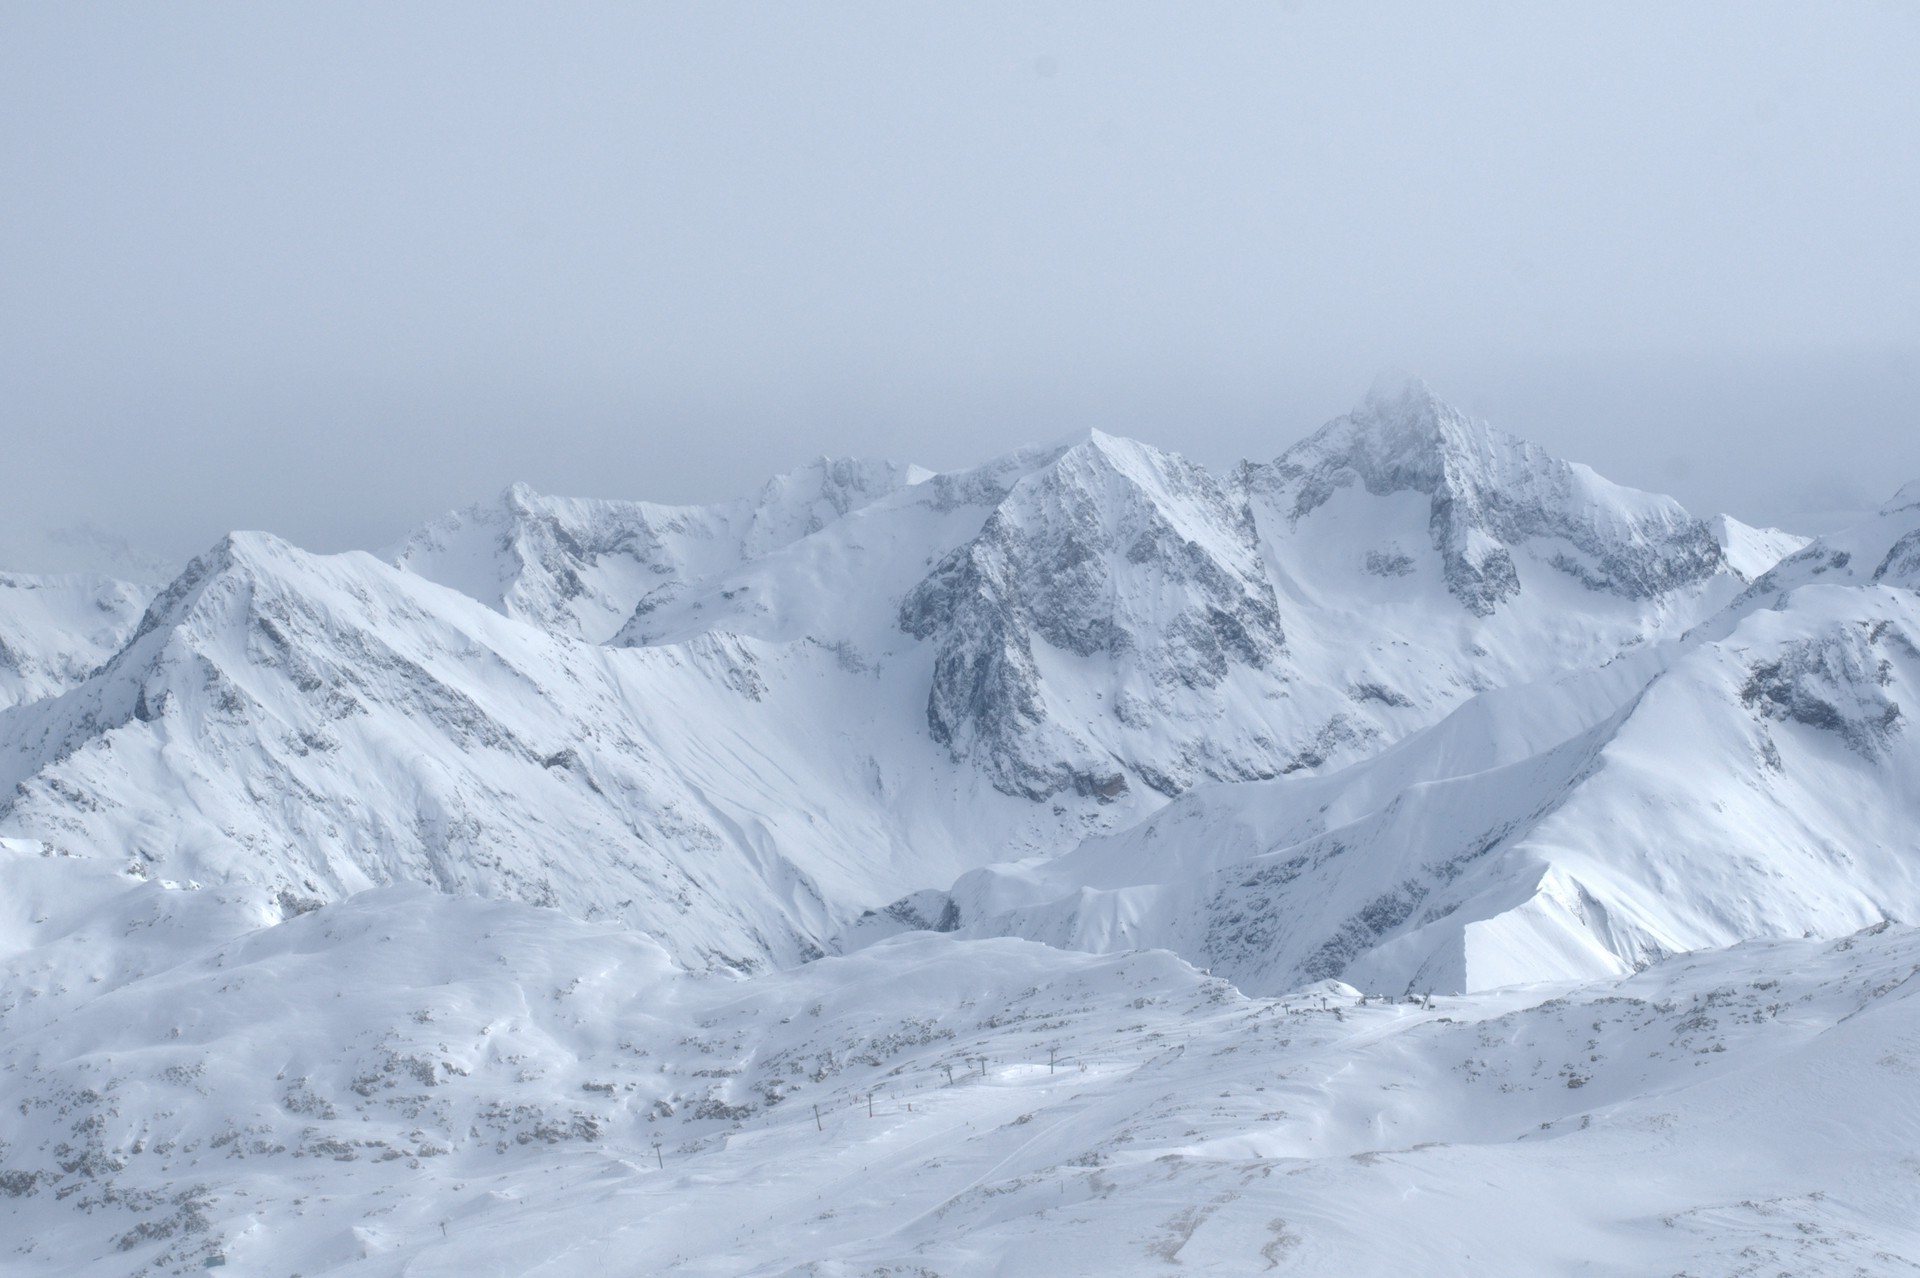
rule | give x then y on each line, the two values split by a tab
580	567
1758	785
56	630
409	1082
1359	862
1752	551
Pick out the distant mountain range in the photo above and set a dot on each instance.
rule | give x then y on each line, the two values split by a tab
1413	709
1414	702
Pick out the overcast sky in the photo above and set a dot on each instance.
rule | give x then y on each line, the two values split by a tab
330	269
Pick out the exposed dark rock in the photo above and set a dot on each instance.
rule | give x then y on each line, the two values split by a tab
1071	560
1487	492
1834	683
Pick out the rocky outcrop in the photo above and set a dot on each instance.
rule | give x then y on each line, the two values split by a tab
1119	565
579	567
1488	493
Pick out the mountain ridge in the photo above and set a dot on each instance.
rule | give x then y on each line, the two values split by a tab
1083	861
1545	867
1090	630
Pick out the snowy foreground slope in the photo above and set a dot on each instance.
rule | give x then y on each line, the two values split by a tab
415	1083
1413	853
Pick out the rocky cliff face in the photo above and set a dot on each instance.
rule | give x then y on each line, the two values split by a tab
1487	495
1117	568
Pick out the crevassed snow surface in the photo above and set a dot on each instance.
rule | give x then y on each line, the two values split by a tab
1411	854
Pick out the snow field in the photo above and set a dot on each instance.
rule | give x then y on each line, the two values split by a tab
321	1095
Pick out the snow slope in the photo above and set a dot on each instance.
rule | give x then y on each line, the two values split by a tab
1753	779
414	1083
55	631
1751	551
864	681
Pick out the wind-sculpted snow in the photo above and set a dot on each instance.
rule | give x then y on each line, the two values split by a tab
1488	495
408	1082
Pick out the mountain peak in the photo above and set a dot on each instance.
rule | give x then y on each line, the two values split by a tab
1752	551
1490	492
1908	496
1097	457
1401	417
1397	395
1402	436
1115	569
1096	446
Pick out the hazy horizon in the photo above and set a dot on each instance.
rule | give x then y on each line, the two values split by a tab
330	273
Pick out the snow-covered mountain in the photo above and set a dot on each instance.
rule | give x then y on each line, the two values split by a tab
55	631
323	724
580	567
1115	571
568	824
1489	498
1752	778
1484	560
739	727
